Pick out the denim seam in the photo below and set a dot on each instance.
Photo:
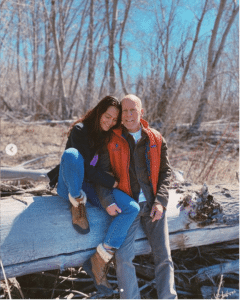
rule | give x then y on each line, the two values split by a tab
115	229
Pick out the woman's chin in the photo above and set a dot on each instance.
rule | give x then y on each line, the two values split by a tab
105	129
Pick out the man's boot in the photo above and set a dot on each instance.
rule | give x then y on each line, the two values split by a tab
97	267
79	216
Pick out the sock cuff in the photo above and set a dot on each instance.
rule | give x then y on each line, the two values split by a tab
103	253
73	200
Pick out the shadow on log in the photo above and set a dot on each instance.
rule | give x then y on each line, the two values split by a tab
37	233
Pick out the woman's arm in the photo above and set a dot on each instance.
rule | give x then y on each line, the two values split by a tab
79	140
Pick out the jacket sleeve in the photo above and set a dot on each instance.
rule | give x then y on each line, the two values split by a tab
78	139
164	177
104	194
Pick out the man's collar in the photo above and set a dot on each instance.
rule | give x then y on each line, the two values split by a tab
126	133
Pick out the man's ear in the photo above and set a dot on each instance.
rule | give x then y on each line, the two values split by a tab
142	112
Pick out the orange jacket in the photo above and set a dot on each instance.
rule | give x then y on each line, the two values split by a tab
119	154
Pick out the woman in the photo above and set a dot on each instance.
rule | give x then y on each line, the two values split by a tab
77	174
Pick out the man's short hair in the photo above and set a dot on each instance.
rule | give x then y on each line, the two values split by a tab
133	98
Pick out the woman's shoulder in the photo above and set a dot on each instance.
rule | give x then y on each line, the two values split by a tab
80	127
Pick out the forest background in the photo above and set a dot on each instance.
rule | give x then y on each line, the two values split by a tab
60	57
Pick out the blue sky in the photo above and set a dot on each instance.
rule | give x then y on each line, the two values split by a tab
145	21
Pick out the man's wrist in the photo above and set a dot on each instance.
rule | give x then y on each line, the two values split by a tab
156	202
111	204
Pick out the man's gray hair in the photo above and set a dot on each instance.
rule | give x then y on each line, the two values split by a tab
133	98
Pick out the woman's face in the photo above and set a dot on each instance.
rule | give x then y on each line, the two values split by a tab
109	118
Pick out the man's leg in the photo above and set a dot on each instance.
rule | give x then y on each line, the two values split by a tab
158	236
126	273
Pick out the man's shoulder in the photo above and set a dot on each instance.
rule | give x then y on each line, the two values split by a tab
156	133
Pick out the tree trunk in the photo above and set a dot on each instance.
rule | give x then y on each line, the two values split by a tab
90	77
213	62
52	23
41	227
111	34
121	46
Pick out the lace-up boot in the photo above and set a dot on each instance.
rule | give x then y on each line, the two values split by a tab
97	267
79	216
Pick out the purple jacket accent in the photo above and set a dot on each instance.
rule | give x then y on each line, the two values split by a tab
94	160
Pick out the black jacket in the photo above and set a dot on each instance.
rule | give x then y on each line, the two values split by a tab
80	140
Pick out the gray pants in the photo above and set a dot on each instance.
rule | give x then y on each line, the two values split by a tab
157	234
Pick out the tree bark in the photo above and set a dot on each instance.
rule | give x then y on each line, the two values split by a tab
121	46
35	225
212	63
90	77
111	34
59	58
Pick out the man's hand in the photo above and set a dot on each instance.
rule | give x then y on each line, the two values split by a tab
113	210
156	212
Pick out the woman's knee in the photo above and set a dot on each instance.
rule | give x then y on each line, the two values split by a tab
127	204
72	155
134	208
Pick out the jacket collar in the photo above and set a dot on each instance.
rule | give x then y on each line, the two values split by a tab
120	130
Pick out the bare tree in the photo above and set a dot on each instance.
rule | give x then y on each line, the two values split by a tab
59	58
90	77
127	9
111	34
213	58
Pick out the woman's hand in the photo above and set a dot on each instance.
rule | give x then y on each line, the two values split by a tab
113	210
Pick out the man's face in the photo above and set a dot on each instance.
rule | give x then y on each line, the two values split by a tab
131	114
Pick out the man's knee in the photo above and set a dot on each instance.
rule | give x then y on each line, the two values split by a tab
123	256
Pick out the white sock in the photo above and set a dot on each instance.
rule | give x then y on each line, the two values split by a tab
73	200
103	253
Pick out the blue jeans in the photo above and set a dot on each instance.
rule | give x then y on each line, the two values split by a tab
158	237
71	180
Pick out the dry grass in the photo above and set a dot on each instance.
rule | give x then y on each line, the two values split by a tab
199	160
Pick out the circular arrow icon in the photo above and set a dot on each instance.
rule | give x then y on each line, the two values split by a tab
11	149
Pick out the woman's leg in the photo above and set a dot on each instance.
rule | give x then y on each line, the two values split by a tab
118	229
71	175
95	266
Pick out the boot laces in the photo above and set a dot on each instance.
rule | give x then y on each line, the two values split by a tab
81	210
107	266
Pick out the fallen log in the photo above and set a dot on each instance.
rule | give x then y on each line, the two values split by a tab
8	173
209	292
37	233
212	271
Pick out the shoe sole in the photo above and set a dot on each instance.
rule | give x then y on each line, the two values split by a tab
80	230
87	266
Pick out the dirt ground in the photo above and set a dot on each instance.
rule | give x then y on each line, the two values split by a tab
200	162
44	144
33	141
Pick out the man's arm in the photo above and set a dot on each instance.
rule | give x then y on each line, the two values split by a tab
164	177
104	194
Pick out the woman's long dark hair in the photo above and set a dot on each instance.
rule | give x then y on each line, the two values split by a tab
92	121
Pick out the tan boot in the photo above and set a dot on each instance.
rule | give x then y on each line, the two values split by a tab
97	266
79	216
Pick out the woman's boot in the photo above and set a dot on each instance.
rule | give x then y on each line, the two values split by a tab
97	267
79	215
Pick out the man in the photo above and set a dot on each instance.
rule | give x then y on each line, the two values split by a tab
137	156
